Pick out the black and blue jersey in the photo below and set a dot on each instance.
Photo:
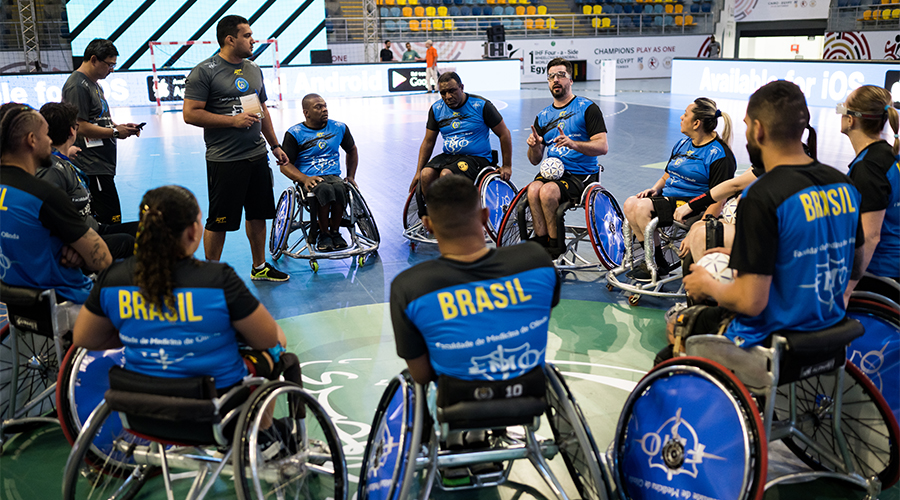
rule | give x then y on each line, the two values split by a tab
580	119
196	338
694	170
798	224
36	221
484	320
316	151
876	173
466	129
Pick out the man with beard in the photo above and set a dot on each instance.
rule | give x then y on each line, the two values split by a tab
574	129
225	95
464	121
44	241
797	237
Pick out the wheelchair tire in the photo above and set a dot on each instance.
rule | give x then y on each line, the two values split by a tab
509	233
604	224
38	368
877	352
688	425
281	224
573	436
867	422
496	195
411	210
115	475
295	457
364	219
82	383
390	442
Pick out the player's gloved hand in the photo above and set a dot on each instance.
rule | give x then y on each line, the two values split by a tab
535	138
310	182
244	120
505	172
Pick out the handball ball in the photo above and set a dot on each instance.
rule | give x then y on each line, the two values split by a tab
717	265
552	169
729	211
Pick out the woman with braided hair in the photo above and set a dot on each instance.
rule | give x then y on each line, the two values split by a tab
177	316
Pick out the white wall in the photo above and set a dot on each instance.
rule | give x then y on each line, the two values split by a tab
779	47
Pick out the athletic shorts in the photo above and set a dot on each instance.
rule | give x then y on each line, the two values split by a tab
239	186
571	186
330	190
470	166
664	208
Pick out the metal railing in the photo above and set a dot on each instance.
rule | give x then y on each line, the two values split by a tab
51	34
349	29
852	18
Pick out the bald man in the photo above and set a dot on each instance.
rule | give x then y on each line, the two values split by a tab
44	240
312	148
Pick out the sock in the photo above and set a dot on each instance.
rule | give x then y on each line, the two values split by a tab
260	267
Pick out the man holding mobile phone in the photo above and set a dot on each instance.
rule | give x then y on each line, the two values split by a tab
97	133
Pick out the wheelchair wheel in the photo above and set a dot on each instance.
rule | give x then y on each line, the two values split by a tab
687	425
38	367
604	224
496	195
83	380
390	442
101	464
294	457
364	219
877	353
866	420
281	224
411	210
509	233
670	240
572	434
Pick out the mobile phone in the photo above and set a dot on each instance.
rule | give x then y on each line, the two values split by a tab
141	126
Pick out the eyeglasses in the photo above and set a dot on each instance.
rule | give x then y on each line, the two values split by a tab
841	109
553	76
111	65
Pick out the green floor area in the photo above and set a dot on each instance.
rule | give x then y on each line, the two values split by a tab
348	356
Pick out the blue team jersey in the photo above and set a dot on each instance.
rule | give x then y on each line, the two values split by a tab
466	129
482	321
195	338
876	173
575	122
800	225
694	170
36	220
319	150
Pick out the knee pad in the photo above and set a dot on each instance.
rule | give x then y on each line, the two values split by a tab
715	232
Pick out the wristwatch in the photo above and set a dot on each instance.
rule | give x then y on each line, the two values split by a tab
276	146
115	133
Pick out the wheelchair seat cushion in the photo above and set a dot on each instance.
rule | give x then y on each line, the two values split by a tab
813	353
491	403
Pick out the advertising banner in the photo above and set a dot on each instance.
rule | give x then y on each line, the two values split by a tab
862	45
780	10
823	83
135	88
636	57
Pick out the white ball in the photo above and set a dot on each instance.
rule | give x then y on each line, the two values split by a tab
717	265
552	168
729	210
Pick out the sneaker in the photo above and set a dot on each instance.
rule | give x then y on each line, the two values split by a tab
642	273
338	241
268	273
324	243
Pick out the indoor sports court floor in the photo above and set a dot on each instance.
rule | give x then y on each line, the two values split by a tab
337	319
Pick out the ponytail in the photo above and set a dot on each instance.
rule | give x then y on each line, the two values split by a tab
706	111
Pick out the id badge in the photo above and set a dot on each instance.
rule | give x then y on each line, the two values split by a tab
93	143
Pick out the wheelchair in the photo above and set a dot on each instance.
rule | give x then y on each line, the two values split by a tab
601	229
692	426
271	437
670	241
31	345
877	353
412	448
496	195
296	210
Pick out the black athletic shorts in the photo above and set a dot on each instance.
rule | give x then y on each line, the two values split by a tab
330	190
105	199
236	186
664	208
571	186
466	165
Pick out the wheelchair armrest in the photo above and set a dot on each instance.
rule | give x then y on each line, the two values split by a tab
829	339
751	366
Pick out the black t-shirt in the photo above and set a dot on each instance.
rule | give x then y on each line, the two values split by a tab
387	55
869	171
